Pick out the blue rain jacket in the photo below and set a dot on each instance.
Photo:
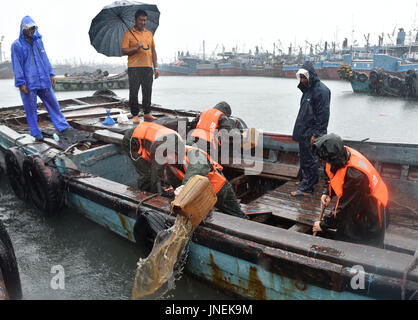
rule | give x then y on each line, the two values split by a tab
31	65
314	112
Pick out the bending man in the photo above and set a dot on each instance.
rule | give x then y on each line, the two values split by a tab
208	125
198	162
140	144
360	213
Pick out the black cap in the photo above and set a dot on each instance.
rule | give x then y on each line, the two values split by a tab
329	147
224	107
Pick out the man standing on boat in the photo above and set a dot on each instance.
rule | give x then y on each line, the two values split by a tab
311	122
34	77
360	213
138	44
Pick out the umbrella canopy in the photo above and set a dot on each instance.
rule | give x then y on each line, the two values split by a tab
109	26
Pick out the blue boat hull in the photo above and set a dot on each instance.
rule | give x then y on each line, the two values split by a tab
232	274
250	259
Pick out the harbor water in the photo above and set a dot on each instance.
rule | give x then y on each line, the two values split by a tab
100	265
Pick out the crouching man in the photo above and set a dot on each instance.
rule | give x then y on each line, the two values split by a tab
141	144
361	209
197	162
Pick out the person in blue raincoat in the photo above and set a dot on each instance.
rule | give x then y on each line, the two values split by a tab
34	77
311	123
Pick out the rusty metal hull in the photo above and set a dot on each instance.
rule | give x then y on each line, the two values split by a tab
248	267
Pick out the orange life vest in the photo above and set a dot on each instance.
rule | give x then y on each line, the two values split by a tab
378	188
216	179
149	131
208	123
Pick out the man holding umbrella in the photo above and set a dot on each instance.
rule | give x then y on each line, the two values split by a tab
138	44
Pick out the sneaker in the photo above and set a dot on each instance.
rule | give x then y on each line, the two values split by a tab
39	137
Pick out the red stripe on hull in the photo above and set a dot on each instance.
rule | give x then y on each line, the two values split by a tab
207	72
290	74
231	72
260	73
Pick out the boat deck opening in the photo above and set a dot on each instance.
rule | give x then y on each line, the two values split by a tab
299	214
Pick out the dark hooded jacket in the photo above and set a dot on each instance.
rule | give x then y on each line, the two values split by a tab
356	219
31	65
313	116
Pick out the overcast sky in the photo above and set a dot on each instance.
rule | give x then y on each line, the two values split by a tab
184	24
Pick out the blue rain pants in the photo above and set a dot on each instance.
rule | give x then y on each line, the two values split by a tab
52	106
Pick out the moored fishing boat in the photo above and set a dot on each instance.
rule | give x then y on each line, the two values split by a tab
272	256
382	83
92	81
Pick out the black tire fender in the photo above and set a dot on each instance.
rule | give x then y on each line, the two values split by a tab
146	228
8	265
14	169
362	77
239	123
45	185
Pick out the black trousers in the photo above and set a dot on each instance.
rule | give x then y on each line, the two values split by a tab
309	167
140	77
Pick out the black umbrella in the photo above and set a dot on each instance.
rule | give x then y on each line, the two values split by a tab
109	26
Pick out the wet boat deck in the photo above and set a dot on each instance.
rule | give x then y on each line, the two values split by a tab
299	214
281	209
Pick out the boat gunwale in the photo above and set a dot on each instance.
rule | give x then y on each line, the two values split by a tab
263	234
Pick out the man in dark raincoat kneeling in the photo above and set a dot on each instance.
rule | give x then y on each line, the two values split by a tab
360	215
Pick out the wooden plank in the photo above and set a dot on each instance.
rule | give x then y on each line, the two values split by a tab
302	228
272	169
401	239
80	102
91	125
85	106
348	254
108	136
91	113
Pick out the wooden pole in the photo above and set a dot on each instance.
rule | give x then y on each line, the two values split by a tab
320	216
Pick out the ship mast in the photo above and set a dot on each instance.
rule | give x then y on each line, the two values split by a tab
204	58
1	52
